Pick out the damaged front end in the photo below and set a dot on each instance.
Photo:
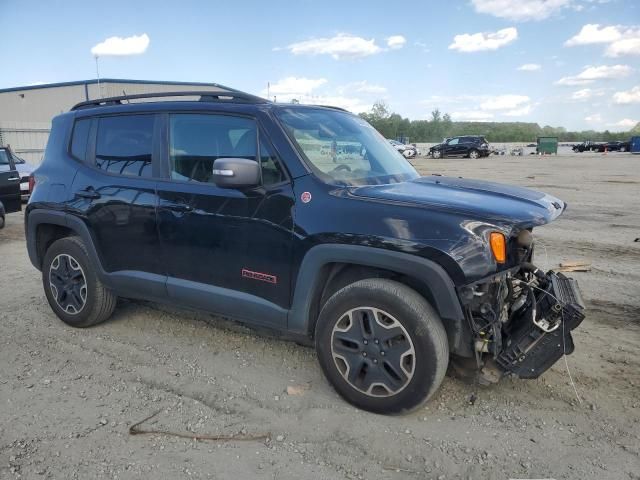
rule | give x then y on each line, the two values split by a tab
521	318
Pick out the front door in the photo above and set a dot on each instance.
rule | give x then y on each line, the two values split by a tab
452	148
9	183
224	250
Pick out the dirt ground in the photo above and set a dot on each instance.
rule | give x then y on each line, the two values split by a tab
68	397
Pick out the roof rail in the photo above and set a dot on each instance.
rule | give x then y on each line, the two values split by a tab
205	96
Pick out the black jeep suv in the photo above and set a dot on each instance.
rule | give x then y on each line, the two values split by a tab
471	146
305	220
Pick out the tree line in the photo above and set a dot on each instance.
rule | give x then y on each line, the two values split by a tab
440	126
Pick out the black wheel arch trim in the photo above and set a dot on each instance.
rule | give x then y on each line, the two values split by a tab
427	271
298	318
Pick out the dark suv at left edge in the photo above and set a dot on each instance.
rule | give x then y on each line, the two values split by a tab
9	185
472	146
303	219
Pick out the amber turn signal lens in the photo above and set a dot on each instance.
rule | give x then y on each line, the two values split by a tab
498	247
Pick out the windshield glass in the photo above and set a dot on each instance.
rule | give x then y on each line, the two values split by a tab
344	149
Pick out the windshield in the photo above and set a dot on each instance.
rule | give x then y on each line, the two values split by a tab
344	149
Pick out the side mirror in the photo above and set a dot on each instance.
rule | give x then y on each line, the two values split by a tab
236	173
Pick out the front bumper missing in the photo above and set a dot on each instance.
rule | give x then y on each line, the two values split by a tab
540	338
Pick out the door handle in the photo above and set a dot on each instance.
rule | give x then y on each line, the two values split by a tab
177	207
13	179
180	207
88	193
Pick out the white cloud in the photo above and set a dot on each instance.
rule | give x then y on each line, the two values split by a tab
627	123
519	112
118	46
590	74
423	46
396	41
341	46
629	96
586	94
478	42
520	10
362	87
505	102
472	115
530	67
592	33
625	46
295	86
354	105
485	107
621	40
305	90
595	118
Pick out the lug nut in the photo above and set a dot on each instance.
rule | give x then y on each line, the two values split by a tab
375	360
376	341
364	354
382	353
366	342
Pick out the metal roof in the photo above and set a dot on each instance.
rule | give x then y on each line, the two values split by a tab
110	80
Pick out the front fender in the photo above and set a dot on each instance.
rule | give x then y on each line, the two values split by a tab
430	273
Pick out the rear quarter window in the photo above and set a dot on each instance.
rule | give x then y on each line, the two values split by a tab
80	139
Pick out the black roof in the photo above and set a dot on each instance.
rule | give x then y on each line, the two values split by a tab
229	95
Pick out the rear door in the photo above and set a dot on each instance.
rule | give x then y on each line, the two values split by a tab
9	183
115	194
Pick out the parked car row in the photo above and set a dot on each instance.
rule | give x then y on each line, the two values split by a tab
589	146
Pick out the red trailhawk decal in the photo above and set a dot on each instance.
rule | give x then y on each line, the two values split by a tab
263	277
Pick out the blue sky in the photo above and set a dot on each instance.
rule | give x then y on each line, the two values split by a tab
582	57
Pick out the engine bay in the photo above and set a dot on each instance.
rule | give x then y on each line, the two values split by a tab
521	318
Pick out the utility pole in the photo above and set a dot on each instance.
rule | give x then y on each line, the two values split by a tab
98	76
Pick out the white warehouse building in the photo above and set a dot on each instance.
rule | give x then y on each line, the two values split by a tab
26	112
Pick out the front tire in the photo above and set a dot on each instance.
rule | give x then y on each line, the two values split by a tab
71	286
382	346
436	154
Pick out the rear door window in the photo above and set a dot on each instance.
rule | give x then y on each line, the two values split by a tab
124	145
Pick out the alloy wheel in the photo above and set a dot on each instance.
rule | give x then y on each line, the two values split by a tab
68	283
373	351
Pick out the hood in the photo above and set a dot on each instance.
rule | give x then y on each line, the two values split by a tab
25	168
506	204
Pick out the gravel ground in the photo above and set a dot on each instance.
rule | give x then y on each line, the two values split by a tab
68	397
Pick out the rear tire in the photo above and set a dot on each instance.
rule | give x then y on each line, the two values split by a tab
382	346
474	154
73	290
1	222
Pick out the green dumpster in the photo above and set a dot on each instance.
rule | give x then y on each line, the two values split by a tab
547	145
